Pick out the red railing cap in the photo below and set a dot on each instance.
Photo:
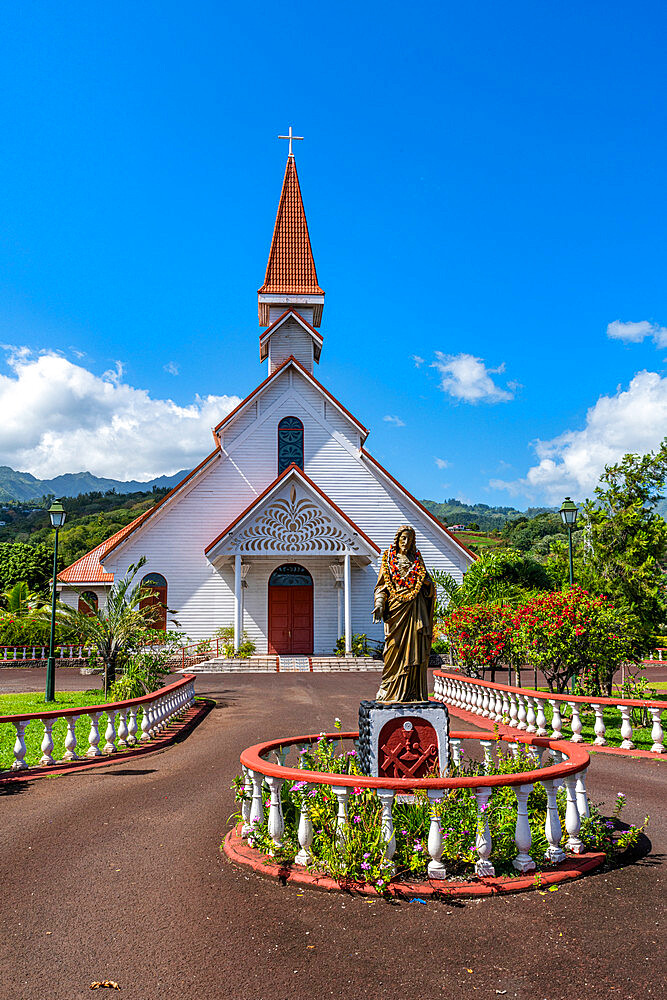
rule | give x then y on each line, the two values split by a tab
252	758
547	695
87	709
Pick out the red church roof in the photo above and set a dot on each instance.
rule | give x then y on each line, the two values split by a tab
291	267
88	569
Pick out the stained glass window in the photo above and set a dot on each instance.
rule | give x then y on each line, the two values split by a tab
290	443
290	575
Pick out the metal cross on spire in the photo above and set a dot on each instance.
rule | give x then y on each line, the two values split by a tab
290	137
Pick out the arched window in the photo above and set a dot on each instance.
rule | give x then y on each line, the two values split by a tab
290	575
88	602
157	584
290	443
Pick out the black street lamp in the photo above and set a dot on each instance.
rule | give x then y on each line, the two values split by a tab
568	513
57	515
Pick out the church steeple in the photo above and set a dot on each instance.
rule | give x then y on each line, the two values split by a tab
291	279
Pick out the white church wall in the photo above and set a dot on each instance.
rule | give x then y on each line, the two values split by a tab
290	339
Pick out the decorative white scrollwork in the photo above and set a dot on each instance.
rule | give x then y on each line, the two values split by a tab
294	525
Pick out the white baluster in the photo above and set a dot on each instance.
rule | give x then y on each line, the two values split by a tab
145	724
487	746
530	716
276	823
47	743
247	801
479	700
305	832
506	707
536	753
576	725
521	714
110	734
514	715
600	729
656	731
582	797
257	804
435	868
94	735
541	718
122	728
19	747
342	793
70	738
513	749
552	828
485	702
498	707
483	866
455	751
522	837
556	720
386	797
572	819
626	728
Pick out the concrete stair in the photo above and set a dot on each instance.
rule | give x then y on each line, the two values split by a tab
267	665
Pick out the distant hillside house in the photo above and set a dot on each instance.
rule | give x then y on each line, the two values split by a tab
279	530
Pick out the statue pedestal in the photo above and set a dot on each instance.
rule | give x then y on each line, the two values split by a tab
403	739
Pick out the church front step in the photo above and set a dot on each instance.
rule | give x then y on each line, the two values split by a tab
285	664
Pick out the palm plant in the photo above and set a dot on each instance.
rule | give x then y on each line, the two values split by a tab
118	627
19	599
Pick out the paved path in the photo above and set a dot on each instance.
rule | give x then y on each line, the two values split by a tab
118	874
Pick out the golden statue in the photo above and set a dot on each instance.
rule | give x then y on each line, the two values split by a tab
405	601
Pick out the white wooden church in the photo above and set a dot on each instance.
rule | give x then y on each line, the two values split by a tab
279	530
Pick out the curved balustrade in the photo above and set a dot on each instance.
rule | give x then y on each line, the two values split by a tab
569	771
524	709
30	653
129	723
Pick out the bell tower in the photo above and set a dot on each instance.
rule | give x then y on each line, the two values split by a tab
290	301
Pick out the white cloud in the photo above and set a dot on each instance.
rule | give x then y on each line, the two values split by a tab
57	417
171	368
441	463
633	420
417	360
396	421
466	377
634	333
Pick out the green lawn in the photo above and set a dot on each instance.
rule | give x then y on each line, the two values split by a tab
13	704
641	735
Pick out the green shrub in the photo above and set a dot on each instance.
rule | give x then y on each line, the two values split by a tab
246	649
360	645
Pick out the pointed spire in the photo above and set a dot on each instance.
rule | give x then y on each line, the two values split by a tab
290	270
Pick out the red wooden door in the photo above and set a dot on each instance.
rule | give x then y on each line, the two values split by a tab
291	620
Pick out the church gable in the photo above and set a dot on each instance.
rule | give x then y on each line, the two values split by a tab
292	517
290	388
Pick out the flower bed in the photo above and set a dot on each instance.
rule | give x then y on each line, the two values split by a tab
501	816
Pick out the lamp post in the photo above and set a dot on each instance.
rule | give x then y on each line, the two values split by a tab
568	513
57	515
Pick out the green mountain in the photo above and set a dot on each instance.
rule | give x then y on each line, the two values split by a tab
24	486
457	512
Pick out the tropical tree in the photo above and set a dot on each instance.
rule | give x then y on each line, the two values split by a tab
124	624
623	544
500	577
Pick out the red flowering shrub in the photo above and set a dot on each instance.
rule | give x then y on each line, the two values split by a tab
573	634
482	636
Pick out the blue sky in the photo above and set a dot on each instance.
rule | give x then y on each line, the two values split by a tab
485	189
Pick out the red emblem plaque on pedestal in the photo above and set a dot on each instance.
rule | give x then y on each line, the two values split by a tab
407	748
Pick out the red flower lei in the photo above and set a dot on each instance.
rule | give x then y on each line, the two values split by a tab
409	585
